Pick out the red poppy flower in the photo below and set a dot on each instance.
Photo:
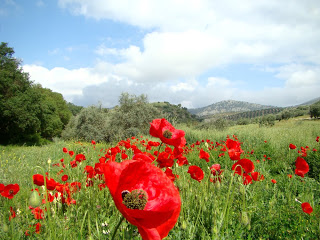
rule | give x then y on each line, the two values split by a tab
273	181
317	139
165	160
216	172
10	190
170	175
71	153
144	195
64	178
204	155
256	176
65	150
147	157
302	167
306	207
292	146
39	180
93	142
215	169
80	157
162	129
182	160
243	167
37	212
234	149
196	173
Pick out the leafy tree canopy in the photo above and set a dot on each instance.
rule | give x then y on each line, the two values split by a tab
28	112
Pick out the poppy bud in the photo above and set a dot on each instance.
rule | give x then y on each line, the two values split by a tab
5	227
245	218
184	225
217	185
34	199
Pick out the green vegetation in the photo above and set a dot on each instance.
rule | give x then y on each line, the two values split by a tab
315	110
29	113
221	210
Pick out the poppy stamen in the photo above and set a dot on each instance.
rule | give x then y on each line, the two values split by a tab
136	199
167	134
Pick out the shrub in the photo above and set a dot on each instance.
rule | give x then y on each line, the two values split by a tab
91	123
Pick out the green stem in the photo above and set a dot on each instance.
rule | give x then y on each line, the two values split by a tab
158	152
115	230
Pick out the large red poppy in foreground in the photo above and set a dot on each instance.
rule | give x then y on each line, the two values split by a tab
162	129
144	195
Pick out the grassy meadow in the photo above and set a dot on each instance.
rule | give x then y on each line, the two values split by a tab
225	209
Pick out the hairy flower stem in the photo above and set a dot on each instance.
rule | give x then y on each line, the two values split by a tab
115	230
158	152
225	209
47	201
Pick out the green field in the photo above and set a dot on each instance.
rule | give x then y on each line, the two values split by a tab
222	210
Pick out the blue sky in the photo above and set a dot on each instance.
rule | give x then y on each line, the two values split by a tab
192	52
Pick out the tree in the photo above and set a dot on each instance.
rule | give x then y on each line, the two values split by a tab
28	112
18	101
132	117
315	110
90	124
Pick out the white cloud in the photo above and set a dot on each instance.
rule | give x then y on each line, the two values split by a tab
87	86
186	40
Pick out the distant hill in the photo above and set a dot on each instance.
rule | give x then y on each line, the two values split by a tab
228	106
310	102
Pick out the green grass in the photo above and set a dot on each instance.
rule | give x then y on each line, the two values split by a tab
226	210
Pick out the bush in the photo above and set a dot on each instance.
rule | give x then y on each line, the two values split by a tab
90	124
268	120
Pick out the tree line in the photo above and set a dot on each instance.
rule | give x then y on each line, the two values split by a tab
28	112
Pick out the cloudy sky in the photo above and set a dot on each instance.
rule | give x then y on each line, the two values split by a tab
192	52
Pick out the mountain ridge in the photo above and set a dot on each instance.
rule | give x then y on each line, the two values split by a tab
228	106
233	106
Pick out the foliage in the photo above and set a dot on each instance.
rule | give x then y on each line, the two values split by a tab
91	123
175	113
315	110
131	117
74	109
268	120
29	114
218	124
226	209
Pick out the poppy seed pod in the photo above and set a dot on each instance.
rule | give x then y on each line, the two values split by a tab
34	199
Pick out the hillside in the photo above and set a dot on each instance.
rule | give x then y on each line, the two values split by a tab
173	112
312	101
227	107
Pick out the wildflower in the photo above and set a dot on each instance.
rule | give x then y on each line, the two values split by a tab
234	149
306	207
273	181
292	146
204	155
10	190
256	176
196	173
64	178
144	195
302	167
162	129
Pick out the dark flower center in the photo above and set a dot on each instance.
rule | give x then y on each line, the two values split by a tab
11	192
167	134
136	199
